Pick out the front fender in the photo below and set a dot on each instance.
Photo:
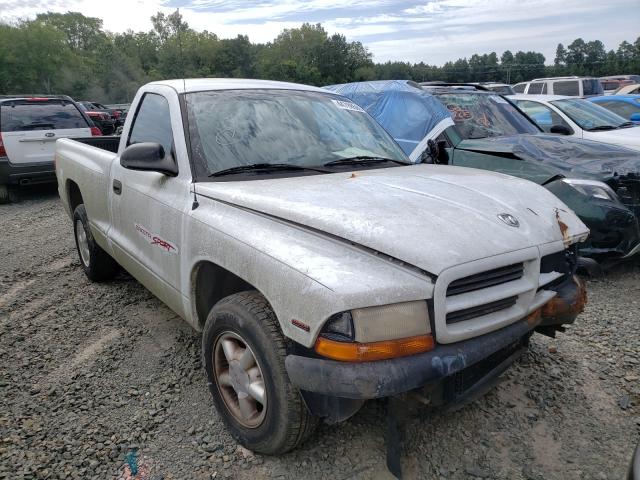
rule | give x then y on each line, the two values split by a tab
303	274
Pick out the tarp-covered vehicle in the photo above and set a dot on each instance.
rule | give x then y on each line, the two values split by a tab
475	128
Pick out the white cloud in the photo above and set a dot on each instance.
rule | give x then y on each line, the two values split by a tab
433	31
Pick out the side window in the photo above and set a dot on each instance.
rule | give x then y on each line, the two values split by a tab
152	123
544	117
535	88
519	87
567	87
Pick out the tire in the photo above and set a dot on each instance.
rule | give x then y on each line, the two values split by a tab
4	194
96	263
283	422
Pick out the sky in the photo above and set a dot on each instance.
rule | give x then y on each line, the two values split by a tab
408	30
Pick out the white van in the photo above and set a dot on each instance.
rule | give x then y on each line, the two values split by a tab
568	86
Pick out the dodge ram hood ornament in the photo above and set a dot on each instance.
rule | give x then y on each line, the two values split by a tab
509	219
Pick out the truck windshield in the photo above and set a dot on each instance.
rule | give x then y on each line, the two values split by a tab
481	116
589	115
235	128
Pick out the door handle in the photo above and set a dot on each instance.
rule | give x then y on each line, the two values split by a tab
117	187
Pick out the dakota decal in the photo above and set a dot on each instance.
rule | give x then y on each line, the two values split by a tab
155	240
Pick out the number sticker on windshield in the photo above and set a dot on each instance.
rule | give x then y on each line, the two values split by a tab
347	106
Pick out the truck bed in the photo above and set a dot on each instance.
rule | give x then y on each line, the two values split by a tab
108	143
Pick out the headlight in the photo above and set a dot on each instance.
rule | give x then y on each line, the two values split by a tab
377	333
593	188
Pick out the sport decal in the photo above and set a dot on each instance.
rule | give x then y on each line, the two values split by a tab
155	240
348	106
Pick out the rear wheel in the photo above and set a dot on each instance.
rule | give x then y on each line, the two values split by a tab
243	353
4	194
96	263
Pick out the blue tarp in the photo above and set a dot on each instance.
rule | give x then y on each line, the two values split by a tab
407	112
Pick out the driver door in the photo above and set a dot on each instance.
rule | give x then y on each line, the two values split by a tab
149	207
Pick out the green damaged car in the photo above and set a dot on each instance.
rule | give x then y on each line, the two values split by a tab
470	127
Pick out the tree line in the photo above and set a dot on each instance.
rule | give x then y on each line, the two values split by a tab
72	54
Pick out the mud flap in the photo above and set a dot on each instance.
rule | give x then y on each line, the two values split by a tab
396	421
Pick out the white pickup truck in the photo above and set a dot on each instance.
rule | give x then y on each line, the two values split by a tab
322	268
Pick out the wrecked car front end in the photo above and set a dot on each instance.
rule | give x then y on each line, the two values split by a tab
599	182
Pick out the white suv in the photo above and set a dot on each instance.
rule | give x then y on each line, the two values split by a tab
568	86
29	128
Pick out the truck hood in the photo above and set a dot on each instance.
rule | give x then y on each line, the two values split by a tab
572	157
431	217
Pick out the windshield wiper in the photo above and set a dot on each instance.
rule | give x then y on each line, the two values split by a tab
601	127
363	160
626	125
264	167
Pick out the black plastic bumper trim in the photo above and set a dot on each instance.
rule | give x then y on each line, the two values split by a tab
391	377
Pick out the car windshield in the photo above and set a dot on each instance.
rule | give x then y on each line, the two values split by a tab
481	116
588	115
235	128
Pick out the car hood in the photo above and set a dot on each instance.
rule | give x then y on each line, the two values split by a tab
571	156
429	216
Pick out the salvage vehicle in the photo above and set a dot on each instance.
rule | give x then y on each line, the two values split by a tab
102	118
627	106
29	127
579	118
501	88
468	126
633	89
115	113
569	86
322	268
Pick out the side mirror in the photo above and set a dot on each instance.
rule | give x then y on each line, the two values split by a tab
148	157
443	155
560	130
635	117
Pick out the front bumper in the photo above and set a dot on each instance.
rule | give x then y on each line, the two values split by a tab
367	380
569	302
26	174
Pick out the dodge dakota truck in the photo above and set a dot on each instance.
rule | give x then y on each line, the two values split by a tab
322	268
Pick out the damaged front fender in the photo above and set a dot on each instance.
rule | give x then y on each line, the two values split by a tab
614	227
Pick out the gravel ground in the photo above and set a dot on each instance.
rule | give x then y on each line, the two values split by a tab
103	381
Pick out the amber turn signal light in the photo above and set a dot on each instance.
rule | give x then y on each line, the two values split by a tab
368	352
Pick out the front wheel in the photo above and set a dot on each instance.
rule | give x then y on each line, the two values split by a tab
243	353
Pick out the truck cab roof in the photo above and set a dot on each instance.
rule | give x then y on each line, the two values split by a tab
190	85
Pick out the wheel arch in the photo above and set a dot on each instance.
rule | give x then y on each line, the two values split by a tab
74	196
210	283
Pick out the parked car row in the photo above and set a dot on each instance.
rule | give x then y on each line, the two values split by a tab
29	128
335	245
599	181
575	86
